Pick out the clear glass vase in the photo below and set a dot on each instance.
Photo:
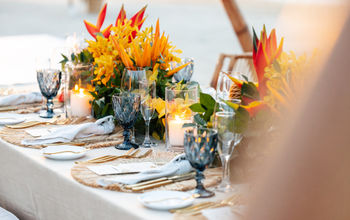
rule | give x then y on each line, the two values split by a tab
76	96
178	100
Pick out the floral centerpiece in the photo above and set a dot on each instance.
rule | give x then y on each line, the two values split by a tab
281	76
125	45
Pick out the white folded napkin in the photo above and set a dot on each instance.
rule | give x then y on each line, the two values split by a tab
70	132
18	99
177	166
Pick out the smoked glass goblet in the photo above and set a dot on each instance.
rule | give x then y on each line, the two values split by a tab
49	81
126	107
200	145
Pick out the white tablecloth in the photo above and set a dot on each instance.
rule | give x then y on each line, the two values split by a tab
33	187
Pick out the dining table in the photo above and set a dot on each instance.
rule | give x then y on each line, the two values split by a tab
37	188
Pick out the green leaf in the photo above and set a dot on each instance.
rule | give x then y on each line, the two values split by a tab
105	109
254	40
249	90
208	114
197	107
245	78
207	101
234	106
199	120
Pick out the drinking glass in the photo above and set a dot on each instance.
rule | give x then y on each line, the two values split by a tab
130	82
200	145
148	94
228	139
185	73
126	106
49	80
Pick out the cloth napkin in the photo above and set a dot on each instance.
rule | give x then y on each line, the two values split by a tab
177	166
70	132
18	99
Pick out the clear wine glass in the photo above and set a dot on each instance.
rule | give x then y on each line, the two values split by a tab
126	106
130	81
49	80
148	94
200	145
185	73
228	139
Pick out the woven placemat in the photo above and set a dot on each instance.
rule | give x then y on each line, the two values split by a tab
85	176
28	108
15	136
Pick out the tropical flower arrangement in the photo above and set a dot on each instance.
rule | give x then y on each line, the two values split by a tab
280	78
125	45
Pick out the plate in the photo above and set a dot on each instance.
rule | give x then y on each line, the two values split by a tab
47	152
165	200
10	120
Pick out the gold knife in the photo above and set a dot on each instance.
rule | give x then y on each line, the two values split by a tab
163	183
154	181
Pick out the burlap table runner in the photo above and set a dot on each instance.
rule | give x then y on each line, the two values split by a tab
15	136
83	175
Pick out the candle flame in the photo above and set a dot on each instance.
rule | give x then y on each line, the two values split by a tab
81	91
76	87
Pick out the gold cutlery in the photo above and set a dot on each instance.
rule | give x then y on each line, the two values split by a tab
168	181
66	143
66	151
196	209
148	182
107	158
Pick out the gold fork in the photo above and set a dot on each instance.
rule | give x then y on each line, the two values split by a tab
132	155
196	209
107	158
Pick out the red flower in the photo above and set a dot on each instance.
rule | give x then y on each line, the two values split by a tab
264	53
137	19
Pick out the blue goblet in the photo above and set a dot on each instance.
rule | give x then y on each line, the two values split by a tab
200	145
49	83
126	106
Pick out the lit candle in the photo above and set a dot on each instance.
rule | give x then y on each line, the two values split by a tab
176	132
80	105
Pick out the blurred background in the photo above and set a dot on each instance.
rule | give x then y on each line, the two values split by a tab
200	28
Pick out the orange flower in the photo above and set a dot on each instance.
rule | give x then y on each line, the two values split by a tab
264	53
93	30
136	20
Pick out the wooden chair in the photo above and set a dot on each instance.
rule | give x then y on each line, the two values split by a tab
242	63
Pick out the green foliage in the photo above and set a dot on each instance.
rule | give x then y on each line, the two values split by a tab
249	90
205	109
84	57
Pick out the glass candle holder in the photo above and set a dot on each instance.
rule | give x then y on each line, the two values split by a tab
178	99
76	96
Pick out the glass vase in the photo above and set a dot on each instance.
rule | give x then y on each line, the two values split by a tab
76	96
178	99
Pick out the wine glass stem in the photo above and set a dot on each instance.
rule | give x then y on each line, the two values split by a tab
199	176
49	106
147	138
225	175
126	134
